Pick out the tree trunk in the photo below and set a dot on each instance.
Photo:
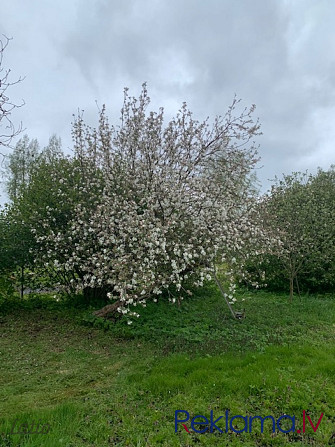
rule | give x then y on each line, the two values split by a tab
22	282
291	288
297	284
109	311
224	294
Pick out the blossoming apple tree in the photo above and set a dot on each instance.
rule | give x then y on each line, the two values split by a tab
153	205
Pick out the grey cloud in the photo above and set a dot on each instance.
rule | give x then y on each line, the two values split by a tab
278	55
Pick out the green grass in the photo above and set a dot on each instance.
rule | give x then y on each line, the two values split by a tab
111	384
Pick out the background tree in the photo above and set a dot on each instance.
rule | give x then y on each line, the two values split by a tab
53	150
300	209
16	242
287	211
319	269
31	190
20	164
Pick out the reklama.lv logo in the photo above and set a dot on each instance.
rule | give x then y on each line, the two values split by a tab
204	424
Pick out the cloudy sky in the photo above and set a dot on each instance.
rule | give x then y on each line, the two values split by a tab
277	54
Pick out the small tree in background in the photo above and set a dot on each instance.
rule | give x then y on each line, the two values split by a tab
319	269
16	244
31	191
20	164
287	210
300	209
53	150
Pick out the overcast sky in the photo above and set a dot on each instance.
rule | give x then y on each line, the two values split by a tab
277	54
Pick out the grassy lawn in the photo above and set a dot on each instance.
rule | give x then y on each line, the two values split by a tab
98	384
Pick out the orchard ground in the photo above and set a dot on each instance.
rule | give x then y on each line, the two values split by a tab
112	384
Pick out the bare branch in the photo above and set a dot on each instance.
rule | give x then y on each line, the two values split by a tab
7	128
